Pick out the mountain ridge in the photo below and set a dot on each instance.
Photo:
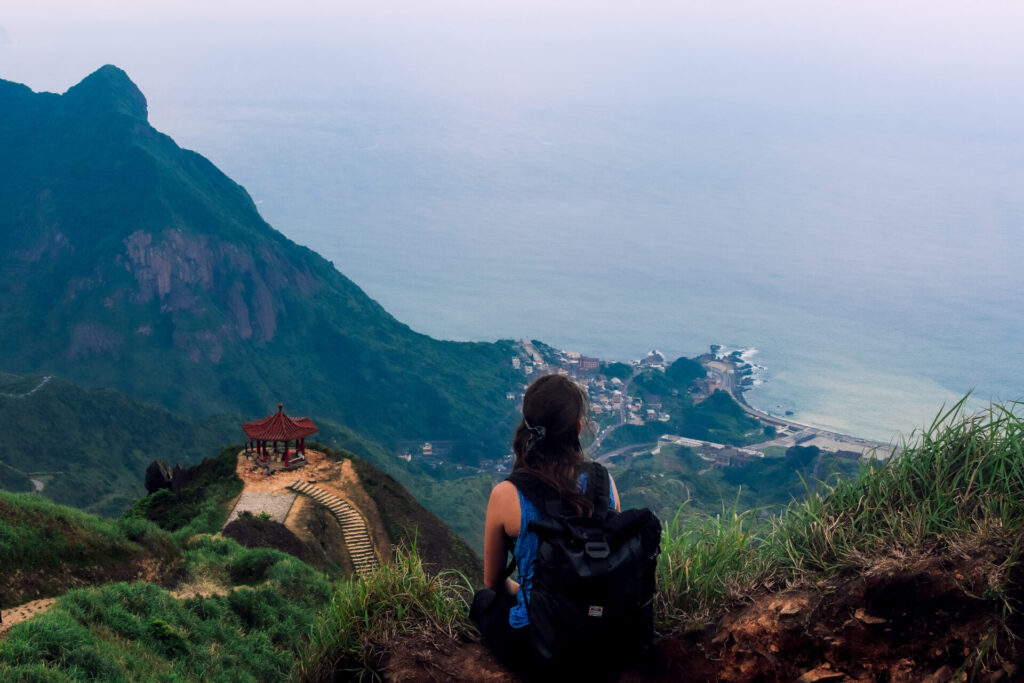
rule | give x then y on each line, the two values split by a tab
125	250
110	89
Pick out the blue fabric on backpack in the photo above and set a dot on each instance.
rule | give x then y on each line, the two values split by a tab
525	551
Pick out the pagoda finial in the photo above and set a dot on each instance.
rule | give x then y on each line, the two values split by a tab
280	407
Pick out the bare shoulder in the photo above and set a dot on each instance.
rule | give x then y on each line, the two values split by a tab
503	508
503	492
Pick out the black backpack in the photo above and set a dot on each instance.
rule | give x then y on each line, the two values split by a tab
593	583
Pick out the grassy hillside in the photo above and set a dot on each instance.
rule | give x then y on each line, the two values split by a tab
90	447
912	568
46	548
661	481
925	550
122	632
236	613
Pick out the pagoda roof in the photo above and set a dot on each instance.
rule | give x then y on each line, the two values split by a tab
280	427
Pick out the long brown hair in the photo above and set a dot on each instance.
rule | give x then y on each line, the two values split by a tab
547	440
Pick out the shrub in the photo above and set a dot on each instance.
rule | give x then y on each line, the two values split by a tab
252	566
171	642
366	613
55	639
704	559
139	631
297	580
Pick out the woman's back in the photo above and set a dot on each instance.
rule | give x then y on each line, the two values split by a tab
525	546
584	600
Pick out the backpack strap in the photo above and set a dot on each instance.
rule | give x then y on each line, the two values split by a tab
535	490
548	500
599	490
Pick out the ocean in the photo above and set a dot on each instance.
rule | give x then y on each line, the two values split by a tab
837	187
872	279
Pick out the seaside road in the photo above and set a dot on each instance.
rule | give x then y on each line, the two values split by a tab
726	374
636	447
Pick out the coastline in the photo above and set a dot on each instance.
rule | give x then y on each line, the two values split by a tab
729	373
728	370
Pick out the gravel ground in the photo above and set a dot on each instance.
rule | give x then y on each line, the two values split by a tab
276	505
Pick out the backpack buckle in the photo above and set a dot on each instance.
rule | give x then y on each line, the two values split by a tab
597	549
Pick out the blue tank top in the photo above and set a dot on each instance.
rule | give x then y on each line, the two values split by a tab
525	551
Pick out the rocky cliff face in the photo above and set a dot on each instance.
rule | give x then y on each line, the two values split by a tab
194	273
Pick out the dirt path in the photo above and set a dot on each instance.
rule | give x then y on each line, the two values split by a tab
20	613
26	611
262	493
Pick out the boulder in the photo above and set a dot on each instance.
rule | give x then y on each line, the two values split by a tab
158	476
182	477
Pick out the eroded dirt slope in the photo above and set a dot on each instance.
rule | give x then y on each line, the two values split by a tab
907	619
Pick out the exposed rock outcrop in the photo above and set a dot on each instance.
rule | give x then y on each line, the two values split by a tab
158	476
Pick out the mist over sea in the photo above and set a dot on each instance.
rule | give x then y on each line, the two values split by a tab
838	185
877	273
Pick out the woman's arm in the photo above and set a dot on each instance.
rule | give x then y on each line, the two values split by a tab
501	508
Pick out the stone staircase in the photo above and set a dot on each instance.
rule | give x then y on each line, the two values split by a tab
353	526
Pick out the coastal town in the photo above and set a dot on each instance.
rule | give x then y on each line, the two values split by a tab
614	403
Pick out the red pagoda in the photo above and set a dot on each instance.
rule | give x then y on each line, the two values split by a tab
279	428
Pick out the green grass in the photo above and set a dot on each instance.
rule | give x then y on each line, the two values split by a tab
957	483
123	632
704	559
962	478
41	537
365	615
279	619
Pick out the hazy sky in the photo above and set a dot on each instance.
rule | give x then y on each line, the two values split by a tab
728	99
893	87
516	49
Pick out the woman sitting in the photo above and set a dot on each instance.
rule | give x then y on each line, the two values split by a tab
547	446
